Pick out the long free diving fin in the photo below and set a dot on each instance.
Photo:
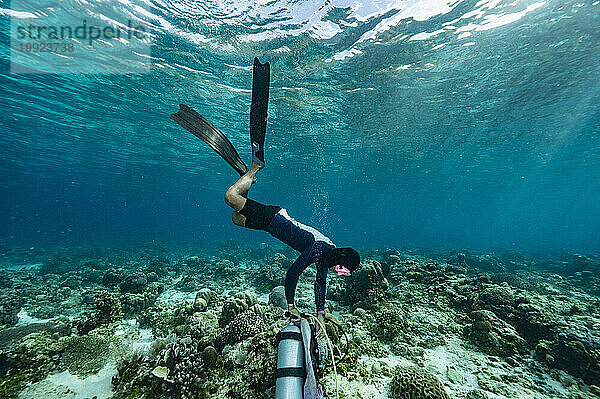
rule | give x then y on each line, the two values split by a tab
261	75
200	127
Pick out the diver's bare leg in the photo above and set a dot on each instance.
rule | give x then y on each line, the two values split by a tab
236	195
238	219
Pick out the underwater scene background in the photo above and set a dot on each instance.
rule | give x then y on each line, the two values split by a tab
454	144
437	124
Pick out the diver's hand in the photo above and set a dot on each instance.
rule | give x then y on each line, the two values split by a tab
321	318
294	313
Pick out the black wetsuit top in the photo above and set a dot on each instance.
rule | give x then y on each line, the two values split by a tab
312	244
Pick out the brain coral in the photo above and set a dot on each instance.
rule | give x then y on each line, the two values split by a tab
246	324
416	383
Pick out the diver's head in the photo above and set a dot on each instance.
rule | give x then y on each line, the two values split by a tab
343	261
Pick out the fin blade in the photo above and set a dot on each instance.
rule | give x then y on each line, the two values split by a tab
261	76
200	127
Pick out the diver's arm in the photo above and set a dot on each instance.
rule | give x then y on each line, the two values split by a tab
293	274
321	318
320	288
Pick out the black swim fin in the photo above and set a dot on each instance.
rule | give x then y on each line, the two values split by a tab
200	127
258	111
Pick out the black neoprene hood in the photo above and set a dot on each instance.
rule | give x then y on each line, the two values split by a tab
347	257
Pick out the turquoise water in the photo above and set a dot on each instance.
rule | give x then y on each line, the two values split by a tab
444	124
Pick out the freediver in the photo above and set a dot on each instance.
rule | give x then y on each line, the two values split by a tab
314	247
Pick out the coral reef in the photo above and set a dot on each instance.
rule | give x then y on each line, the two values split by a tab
253	362
366	288
272	273
106	309
59	264
158	265
277	297
113	277
34	358
244	325
87	354
186	284
577	354
10	337
482	262
180	366
207	294
416	383
133	283
10	305
241	302
493	335
133	304
390	322
188	324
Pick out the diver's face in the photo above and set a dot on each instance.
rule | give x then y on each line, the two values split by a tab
340	270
